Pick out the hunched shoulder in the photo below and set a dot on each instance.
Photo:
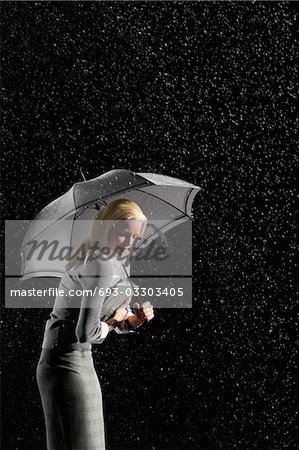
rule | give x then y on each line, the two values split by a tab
99	269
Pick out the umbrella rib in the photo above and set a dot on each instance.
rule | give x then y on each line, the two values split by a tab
110	195
165	201
158	230
187	198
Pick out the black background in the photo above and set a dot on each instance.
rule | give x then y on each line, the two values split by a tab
203	91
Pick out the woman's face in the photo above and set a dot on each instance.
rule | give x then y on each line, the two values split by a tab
123	235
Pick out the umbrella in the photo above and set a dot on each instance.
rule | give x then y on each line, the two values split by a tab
166	202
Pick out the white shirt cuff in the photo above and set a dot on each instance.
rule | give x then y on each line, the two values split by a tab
104	332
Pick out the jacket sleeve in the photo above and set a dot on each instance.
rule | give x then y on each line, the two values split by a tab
95	277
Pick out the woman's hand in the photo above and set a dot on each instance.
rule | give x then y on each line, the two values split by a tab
119	315
143	313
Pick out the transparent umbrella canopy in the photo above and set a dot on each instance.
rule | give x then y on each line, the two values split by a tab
165	201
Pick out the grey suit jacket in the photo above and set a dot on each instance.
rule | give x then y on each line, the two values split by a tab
88	296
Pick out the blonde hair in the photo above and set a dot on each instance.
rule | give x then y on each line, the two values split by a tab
119	209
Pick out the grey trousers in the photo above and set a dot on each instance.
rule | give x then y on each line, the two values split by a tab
72	400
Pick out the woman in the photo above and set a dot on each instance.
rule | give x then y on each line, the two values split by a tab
69	387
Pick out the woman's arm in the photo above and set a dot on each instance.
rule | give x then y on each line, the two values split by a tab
95	277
